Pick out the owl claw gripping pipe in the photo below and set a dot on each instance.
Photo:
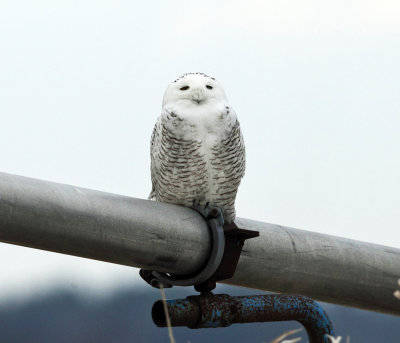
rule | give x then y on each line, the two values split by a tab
227	244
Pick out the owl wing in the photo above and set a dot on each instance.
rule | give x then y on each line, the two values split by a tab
230	160
153	143
181	172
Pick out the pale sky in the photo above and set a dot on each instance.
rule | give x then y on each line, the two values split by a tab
315	85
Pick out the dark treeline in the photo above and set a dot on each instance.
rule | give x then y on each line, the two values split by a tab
125	317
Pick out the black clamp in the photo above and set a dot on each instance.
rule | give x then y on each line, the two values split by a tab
227	244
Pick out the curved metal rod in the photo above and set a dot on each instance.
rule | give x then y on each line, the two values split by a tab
217	251
222	310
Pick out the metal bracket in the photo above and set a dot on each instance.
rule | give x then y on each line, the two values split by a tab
227	244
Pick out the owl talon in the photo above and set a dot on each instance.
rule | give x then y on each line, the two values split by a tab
209	212
216	213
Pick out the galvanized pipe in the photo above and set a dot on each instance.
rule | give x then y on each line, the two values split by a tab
221	310
323	267
101	226
174	239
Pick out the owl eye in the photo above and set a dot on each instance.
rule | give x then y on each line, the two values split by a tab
209	87
184	88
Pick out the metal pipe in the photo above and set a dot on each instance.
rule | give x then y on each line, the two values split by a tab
101	226
324	267
222	310
174	239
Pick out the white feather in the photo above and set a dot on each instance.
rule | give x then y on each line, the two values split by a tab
195	138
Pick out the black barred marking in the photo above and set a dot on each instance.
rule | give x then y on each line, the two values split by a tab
180	172
198	73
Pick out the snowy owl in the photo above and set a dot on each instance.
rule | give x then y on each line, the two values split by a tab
197	149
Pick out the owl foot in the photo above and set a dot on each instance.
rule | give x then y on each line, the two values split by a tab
209	212
226	246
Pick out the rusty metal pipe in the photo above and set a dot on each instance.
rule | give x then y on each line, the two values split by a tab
222	310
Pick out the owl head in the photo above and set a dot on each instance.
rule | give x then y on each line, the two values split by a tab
195	89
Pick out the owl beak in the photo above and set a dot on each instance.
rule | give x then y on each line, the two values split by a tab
197	97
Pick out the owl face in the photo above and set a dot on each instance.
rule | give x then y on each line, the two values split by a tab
195	89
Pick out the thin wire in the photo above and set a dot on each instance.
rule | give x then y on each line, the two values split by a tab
286	334
164	301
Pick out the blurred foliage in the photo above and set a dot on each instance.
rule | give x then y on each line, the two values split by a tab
66	316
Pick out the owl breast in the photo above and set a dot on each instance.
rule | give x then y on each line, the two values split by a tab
197	161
